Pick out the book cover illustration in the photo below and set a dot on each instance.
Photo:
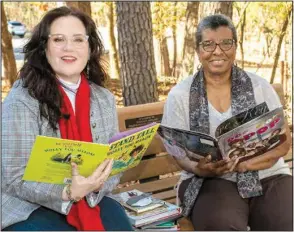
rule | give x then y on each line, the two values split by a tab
255	137
146	203
241	119
51	157
128	151
248	134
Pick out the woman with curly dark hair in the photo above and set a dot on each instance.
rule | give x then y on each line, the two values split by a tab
60	93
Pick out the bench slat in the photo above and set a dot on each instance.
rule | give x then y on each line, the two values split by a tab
155	147
170	194
152	186
156	166
172	201
137	112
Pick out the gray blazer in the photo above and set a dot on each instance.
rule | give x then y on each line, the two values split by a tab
21	123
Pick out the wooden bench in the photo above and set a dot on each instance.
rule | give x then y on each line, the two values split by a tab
158	172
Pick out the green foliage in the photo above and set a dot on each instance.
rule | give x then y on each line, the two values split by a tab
28	13
163	16
98	14
264	21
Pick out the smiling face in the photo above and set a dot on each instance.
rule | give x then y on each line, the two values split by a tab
217	62
67	61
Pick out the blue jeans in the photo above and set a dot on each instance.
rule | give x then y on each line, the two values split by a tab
112	214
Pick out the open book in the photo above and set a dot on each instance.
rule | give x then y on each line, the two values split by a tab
245	135
51	157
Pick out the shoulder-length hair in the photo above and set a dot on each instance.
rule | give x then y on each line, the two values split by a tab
38	76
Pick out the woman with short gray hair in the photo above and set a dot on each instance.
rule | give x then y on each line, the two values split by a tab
227	195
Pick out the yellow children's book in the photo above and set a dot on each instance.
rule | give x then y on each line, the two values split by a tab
51	157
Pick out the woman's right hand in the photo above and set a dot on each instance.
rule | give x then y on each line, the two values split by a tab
82	186
206	168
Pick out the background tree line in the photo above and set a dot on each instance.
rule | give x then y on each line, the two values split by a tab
155	40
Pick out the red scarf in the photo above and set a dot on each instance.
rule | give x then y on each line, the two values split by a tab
77	127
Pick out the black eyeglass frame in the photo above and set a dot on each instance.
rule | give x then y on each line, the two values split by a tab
218	44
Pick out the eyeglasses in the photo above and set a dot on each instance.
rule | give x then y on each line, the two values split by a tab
210	46
59	40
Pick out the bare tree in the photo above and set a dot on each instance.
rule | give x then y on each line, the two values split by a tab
221	7
113	54
188	55
10	70
242	32
83	6
165	56
281	37
174	32
136	52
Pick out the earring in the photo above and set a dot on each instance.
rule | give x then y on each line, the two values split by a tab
88	71
199	66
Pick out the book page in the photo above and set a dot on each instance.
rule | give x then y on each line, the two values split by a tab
255	137
193	144
51	157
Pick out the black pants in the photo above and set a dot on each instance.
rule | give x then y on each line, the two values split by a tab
220	207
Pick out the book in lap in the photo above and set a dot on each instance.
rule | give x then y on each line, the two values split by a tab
245	135
50	157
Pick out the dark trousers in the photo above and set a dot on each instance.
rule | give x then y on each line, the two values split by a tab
220	207
112	214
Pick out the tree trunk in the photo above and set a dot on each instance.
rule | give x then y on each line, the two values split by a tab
281	37
165	57
188	55
113	54
207	8
174	32
135	40
82	6
10	70
242	37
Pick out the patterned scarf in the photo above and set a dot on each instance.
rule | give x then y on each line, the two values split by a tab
248	183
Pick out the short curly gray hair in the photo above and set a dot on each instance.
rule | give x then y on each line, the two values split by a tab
213	22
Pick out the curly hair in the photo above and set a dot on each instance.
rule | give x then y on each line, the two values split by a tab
136	149
38	76
214	22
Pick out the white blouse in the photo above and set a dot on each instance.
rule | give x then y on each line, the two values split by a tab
176	114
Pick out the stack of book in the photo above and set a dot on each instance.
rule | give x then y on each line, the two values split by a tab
148	213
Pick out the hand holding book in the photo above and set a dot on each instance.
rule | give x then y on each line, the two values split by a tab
82	186
207	168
